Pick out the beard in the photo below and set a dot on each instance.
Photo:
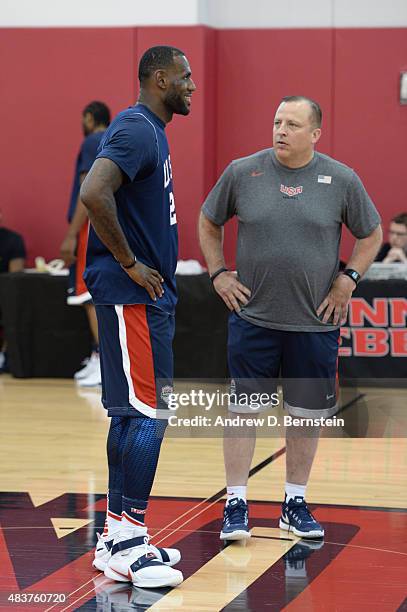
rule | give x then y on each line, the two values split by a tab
175	102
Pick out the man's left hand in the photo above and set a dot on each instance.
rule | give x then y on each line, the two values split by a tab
337	300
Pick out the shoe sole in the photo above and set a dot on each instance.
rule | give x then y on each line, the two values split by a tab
239	534
101	565
79	377
81	383
143	582
301	534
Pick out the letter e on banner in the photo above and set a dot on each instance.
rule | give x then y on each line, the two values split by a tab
398	342
370	342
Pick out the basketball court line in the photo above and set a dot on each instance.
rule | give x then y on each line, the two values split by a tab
212	500
355	400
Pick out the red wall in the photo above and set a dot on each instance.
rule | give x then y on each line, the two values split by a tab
256	68
370	126
192	138
47	76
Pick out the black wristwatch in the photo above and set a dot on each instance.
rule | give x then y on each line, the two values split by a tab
355	276
216	274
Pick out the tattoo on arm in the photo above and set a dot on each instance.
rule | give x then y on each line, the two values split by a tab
97	194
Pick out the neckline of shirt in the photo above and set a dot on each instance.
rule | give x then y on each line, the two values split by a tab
150	113
281	166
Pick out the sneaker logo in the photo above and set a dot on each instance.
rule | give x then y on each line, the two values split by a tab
256	173
151	555
299	500
328	397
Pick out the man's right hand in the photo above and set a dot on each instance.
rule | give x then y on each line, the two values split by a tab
233	293
148	278
67	250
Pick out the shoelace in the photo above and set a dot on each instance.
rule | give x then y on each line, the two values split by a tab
301	511
237	511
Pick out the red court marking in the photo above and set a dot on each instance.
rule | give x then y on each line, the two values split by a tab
161	510
140	353
361	578
8	580
369	573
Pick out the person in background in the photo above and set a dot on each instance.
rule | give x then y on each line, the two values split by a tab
95	120
395	250
12	259
12	250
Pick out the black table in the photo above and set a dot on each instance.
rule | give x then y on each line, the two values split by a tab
374	340
47	338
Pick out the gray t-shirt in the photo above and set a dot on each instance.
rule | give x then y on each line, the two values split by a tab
289	232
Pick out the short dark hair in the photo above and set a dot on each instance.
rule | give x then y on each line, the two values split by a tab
316	112
401	218
99	111
156	58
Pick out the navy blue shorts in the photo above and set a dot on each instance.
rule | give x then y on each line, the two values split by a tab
136	359
305	361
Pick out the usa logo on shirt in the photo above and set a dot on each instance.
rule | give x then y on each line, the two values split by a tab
290	191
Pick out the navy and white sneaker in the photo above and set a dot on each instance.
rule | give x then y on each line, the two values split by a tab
296	517
235	520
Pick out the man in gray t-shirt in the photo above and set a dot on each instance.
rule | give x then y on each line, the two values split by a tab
287	299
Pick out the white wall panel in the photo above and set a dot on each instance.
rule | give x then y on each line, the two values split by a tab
215	13
370	13
269	13
48	13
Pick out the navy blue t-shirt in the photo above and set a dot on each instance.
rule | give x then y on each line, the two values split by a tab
137	143
86	157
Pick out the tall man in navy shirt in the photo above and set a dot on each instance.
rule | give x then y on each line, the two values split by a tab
131	261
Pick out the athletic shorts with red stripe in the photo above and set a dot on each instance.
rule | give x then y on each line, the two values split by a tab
136	359
77	290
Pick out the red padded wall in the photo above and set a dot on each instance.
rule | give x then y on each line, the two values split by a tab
48	76
191	138
370	125
256	68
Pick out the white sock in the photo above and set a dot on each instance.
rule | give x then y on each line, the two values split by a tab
130	529
113	522
239	491
294	490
